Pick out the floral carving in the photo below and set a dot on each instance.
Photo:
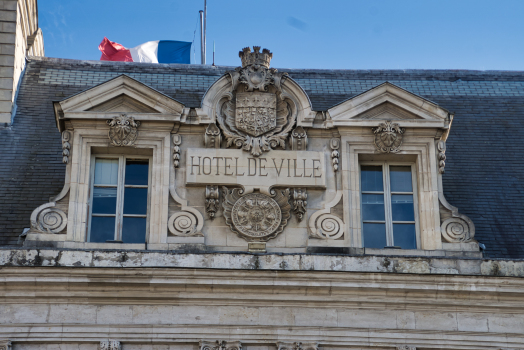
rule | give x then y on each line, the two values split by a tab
212	200
123	130
260	117
297	346
256	216
110	345
212	137
220	345
66	146
299	202
388	137
298	139
5	345
406	347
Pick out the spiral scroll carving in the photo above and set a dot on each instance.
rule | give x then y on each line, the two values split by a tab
52	220
456	229
329	226
183	223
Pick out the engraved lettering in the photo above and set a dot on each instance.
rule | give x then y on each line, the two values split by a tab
204	165
193	165
305	170
295	169
218	163
316	168
236	168
227	166
249	166
262	166
278	169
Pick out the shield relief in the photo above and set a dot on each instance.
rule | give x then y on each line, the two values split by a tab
256	112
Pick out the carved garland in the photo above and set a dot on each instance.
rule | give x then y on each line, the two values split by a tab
177	141
66	146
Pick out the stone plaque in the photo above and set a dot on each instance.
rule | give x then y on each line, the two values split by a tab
205	166
256	112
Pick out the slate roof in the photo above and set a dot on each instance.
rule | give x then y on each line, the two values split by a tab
484	170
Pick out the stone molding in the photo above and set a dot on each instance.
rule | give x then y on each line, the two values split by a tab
406	347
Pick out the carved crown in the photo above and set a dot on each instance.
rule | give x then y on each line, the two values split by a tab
256	57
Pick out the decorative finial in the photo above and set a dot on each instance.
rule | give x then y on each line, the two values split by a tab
256	57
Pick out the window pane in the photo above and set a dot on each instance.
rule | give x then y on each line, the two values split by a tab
374	235
135	201
402	207
137	172
400	179
404	236
372	178
104	200
373	207
106	171
102	229
134	230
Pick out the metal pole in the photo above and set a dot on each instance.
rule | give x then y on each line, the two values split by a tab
202	49
205	31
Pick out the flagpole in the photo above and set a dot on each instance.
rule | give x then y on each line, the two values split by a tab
202	50
205	31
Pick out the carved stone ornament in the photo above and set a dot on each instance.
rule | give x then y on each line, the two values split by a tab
212	200
48	219
256	216
66	146
123	130
177	141
299	202
406	347
335	153
441	146
388	137
110	345
220	345
5	344
260	116
212	137
297	346
298	139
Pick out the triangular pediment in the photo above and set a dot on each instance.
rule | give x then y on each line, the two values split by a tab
388	102
122	94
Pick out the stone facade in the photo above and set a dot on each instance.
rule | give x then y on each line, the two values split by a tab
254	227
20	36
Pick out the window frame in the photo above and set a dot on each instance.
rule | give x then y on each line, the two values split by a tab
387	199
119	214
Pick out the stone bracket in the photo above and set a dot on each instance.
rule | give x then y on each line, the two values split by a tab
212	200
299	202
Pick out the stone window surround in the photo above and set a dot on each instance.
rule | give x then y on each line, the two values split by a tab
420	146
120	186
86	142
414	179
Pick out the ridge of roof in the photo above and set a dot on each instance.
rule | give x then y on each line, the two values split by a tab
220	69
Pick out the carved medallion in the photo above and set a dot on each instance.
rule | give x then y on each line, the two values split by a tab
388	137
123	130
256	216
255	114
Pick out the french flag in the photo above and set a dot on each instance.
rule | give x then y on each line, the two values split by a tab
160	51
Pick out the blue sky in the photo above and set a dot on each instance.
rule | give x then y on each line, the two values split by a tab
349	34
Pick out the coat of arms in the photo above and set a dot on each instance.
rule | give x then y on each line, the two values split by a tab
255	114
123	130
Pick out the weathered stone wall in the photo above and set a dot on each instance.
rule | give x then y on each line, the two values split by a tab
256	299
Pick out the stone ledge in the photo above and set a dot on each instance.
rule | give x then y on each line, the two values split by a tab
252	261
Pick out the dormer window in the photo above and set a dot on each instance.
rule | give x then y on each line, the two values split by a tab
388	205
119	200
